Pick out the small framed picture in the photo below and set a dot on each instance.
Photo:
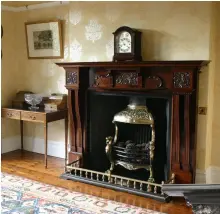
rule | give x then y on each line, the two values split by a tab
44	40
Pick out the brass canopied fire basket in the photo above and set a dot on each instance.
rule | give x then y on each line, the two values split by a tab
133	144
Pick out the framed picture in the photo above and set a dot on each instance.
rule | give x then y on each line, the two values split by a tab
44	40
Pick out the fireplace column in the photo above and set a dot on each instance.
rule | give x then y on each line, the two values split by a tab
77	83
183	122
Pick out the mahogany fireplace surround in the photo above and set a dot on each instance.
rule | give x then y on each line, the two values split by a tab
177	79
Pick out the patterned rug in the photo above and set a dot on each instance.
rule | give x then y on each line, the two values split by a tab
24	196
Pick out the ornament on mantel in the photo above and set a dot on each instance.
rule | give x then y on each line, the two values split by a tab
93	31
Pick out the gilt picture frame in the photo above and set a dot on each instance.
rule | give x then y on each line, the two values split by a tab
44	39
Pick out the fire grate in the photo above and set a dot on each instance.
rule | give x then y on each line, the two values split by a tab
137	154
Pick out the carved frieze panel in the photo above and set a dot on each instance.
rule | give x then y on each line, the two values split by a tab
103	80
153	82
181	79
127	78
71	77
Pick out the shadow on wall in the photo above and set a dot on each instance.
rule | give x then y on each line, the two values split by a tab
155	44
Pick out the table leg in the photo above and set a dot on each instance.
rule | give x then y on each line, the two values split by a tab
21	132
66	139
45	141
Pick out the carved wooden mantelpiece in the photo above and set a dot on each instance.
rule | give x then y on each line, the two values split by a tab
179	79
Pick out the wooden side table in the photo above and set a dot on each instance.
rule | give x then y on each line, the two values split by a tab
39	116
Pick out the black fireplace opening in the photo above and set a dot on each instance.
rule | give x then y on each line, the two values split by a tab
101	109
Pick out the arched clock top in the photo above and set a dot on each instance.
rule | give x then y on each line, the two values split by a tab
127	29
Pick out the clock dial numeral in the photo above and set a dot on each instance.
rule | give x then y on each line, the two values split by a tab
124	42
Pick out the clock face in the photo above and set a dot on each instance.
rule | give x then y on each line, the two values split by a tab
124	42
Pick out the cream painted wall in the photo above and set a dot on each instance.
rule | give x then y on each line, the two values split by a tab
171	31
215	160
202	119
213	126
11	79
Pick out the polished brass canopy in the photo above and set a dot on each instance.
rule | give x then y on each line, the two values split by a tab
134	114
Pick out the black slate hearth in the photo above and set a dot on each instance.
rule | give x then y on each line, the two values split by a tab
203	198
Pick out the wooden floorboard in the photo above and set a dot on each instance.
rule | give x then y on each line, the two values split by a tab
31	165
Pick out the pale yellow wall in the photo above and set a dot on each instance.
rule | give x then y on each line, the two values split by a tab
171	31
215	160
202	119
11	77
213	126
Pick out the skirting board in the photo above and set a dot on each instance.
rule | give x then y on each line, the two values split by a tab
10	144
200	176
56	149
209	176
213	175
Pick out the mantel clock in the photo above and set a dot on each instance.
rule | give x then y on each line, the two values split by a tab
127	44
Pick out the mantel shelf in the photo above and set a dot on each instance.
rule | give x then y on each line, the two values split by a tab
190	63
